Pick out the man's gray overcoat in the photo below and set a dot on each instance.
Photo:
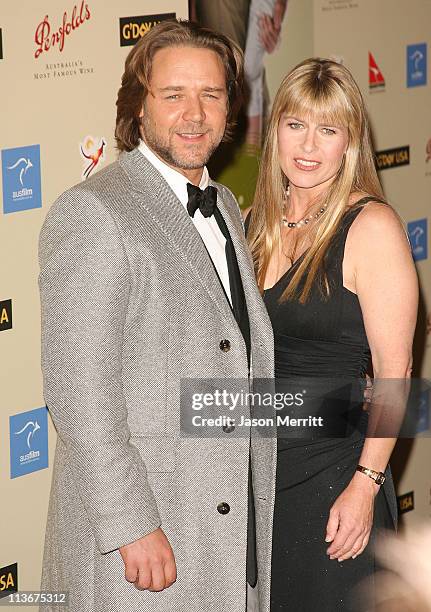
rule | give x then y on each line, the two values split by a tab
131	304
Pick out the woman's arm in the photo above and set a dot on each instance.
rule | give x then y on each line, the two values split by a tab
379	264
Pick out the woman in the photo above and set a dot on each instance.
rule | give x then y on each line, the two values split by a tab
335	269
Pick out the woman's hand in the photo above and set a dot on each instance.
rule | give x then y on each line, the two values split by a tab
351	518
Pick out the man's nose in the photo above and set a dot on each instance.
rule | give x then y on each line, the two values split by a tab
194	110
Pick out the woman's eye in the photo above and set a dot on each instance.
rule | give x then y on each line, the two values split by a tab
328	131
294	126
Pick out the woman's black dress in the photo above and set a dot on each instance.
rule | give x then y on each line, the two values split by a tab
320	340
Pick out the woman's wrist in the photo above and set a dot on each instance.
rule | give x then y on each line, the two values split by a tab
365	482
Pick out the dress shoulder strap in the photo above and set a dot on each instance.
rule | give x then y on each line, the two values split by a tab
336	251
367	199
351	214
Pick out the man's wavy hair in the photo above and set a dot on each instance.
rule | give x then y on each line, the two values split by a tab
135	83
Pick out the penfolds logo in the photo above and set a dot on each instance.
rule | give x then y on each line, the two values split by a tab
45	38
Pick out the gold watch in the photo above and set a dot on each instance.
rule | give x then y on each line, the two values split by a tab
378	477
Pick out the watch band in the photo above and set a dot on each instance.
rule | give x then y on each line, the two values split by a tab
378	477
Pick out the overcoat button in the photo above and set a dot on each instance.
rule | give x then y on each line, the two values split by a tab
223	508
225	346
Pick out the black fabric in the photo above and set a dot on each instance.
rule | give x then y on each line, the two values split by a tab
322	338
205	200
239	304
251	571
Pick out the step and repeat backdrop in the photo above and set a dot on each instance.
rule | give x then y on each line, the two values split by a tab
60	69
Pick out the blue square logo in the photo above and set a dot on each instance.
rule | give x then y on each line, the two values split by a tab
418	235
416	65
21	178
28	442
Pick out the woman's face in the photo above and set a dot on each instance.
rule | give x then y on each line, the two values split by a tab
310	153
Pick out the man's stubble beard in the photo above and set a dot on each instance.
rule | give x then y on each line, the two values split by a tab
164	149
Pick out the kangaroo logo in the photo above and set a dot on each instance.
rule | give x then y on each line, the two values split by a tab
416	64
25	164
32	427
417	234
90	152
417	57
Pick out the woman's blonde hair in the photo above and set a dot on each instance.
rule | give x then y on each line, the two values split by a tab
325	91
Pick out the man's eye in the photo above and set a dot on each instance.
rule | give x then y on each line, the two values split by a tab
172	97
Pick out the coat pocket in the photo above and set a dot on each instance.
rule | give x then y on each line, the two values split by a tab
159	453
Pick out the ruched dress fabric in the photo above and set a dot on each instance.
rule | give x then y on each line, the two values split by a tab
320	340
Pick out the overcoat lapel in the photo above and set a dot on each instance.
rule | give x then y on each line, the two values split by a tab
236	232
159	201
258	315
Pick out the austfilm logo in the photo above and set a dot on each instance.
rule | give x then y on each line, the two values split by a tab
406	502
5	315
391	158
8	579
134	28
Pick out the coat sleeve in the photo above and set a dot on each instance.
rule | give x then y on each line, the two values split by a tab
84	285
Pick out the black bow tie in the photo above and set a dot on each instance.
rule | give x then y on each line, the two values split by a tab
205	200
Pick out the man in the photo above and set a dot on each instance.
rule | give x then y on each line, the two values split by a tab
145	282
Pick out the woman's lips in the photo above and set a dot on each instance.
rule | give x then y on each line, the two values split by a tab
307	165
